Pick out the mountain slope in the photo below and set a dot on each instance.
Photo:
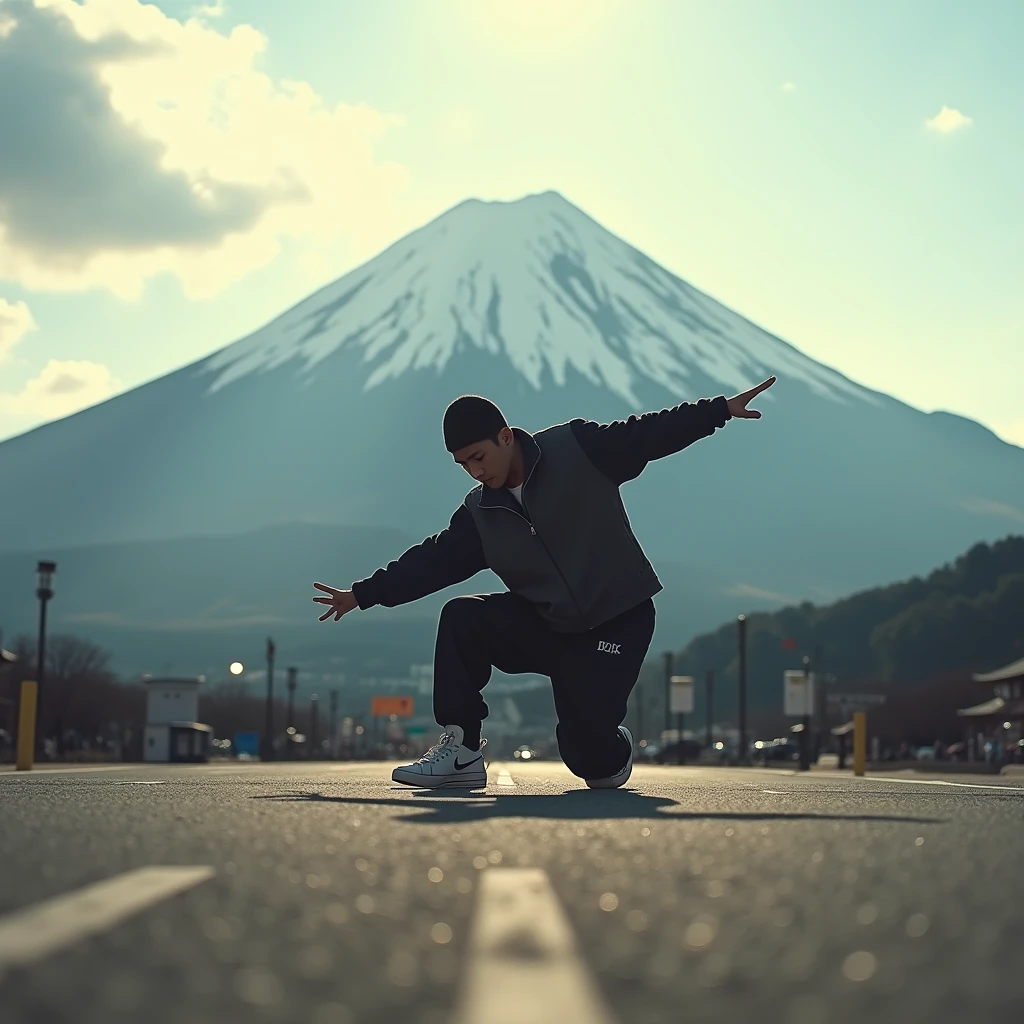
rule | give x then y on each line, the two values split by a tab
331	413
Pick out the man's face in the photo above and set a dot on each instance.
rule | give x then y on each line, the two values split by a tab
488	462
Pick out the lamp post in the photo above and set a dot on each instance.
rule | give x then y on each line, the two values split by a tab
291	709
44	591
741	640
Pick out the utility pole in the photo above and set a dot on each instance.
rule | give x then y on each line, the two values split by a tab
639	714
291	712
332	739
741	623
669	658
268	727
805	732
820	702
314	726
710	683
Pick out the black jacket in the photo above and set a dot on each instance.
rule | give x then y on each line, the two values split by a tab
570	550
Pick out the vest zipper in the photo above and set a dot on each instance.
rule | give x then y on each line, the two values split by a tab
533	533
547	551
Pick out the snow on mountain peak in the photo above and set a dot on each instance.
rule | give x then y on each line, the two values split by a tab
540	282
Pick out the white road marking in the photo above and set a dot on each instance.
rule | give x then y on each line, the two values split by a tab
523	962
505	779
943	782
40	773
137	782
36	932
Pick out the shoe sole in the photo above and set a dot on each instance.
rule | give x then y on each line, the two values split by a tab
441	781
608	783
628	770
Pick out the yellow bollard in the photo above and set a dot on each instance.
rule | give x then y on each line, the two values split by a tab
860	741
27	725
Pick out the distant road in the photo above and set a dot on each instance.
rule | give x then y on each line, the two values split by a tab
324	894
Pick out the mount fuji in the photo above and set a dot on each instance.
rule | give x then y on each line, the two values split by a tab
330	416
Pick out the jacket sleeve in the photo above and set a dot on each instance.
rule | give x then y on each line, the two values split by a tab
447	558
621	449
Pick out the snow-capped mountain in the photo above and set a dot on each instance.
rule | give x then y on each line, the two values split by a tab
538	283
331	413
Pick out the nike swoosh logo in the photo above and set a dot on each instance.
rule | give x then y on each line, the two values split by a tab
459	767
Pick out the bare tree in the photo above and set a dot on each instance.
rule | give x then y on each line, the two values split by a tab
79	689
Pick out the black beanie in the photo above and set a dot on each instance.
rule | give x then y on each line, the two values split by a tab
471	419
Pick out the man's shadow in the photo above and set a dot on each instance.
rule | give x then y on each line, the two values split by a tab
439	808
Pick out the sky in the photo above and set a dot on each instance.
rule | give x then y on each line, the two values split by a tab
174	175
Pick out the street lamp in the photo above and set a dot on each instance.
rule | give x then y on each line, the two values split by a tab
236	668
44	591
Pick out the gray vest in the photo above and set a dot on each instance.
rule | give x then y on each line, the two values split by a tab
570	551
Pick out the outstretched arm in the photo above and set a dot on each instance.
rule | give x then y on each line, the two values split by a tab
447	558
623	448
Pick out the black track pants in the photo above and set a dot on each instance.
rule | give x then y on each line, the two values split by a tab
591	673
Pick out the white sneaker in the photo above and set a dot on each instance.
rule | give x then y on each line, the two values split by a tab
447	764
620	778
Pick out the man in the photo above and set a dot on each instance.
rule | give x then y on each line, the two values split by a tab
548	520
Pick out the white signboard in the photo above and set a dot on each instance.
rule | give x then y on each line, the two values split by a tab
798	693
681	698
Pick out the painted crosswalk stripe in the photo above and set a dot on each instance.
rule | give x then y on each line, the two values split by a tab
505	779
523	961
36	932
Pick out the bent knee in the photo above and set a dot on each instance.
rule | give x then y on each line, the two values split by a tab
461	611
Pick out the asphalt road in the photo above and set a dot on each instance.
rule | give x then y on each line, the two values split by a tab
323	894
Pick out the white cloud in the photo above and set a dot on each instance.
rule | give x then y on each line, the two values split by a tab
61	388
759	593
15	322
999	509
789	87
214	10
196	163
948	120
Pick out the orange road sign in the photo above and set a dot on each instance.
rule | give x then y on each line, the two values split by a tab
384	707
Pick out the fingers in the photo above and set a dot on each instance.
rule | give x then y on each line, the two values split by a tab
326	615
327	589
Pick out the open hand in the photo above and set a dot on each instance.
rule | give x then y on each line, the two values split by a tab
738	405
339	602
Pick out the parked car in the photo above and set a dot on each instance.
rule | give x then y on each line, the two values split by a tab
765	751
669	754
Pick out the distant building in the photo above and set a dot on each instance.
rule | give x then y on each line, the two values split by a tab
1001	717
172	732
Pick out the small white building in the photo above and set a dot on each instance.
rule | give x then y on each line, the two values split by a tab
172	732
